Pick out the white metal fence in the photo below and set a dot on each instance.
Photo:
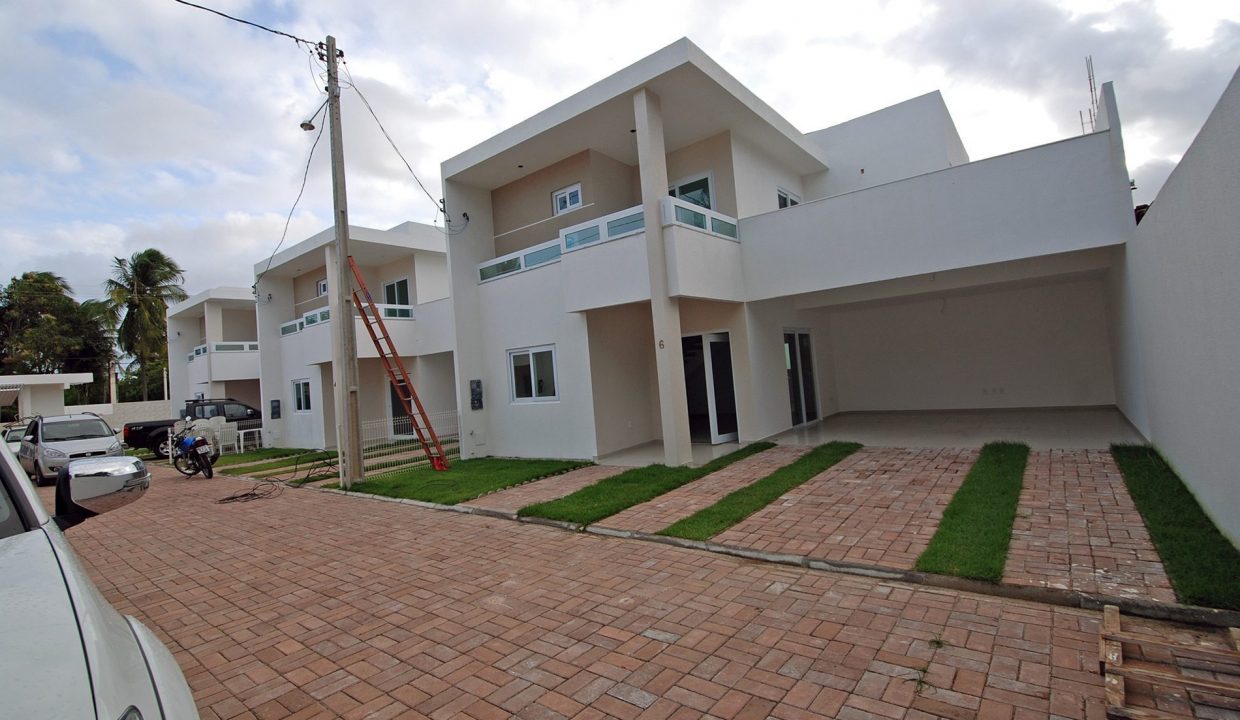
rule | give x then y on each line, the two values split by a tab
392	445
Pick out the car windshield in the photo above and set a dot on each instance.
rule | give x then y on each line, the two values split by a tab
14	434
75	430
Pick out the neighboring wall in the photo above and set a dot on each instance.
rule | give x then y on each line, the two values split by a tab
1181	302
1036	346
117	414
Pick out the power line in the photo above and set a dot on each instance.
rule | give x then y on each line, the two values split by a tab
305	175
294	38
356	89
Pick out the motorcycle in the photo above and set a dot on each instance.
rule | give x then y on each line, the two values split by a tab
192	453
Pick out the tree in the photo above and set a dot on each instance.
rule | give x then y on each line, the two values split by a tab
44	330
138	293
38	324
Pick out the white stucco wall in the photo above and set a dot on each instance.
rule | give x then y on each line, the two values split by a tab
758	178
1182	301
910	138
1055	198
623	376
1031	346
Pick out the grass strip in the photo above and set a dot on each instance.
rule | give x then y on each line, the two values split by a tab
465	479
256	455
631	487
304	460
973	536
740	504
1204	567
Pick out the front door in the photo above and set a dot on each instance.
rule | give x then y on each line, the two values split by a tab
709	388
799	362
401	424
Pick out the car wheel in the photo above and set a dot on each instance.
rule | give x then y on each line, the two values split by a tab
163	446
39	478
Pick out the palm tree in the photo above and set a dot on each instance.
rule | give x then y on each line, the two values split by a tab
141	288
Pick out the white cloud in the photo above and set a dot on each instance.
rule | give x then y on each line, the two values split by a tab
149	123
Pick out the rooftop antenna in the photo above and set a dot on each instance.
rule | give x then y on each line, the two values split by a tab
1093	96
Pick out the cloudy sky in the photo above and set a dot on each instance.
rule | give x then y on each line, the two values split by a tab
130	124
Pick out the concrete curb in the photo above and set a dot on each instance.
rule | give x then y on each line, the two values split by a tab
1133	606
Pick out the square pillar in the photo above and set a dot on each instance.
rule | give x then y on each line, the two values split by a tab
664	310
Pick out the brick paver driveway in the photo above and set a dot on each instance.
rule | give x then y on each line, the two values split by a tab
315	605
878	506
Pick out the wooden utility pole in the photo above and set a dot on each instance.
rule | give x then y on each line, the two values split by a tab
344	345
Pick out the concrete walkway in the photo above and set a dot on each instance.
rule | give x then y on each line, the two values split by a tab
317	605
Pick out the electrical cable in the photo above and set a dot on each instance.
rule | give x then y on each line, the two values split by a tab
273	486
305	176
356	89
294	38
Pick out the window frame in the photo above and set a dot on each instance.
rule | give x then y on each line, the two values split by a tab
512	375
297	396
791	199
408	295
673	189
321	288
566	193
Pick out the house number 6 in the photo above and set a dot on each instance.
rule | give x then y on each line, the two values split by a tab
660	344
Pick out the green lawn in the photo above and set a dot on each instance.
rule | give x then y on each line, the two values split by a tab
740	504
256	455
973	536
1202	564
631	487
465	479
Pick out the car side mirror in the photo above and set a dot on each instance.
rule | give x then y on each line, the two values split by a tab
88	487
28	438
189	419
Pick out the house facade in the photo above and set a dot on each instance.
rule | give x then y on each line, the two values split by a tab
405	269
213	348
662	258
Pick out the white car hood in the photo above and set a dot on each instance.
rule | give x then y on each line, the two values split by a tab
69	447
42	660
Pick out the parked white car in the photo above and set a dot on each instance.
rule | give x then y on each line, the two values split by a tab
13	437
67	653
51	442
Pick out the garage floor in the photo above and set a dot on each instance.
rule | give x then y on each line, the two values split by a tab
1040	428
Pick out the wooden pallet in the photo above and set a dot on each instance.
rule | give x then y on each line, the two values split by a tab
1111	639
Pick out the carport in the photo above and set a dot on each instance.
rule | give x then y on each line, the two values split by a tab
40	394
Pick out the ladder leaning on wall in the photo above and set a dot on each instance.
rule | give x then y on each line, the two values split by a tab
403	387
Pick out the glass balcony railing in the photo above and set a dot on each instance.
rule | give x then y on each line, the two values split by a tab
609	227
323	315
680	212
239	346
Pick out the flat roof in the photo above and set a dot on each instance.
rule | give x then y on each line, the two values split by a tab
367	245
698	98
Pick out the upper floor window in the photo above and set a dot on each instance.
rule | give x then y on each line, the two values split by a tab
533	374
694	189
786	199
566	199
321	288
396	293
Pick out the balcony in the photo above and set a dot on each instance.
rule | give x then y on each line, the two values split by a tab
703	252
215	362
618	225
309	338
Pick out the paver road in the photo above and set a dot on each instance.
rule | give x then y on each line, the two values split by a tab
315	605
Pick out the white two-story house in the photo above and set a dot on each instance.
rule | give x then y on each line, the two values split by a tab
662	258
213	348
405	269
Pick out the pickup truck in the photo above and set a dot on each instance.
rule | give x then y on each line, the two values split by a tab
153	434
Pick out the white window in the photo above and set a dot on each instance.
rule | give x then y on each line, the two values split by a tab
322	288
533	374
567	199
396	293
786	199
301	395
694	189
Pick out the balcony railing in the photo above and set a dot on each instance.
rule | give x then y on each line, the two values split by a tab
323	315
680	212
220	347
604	229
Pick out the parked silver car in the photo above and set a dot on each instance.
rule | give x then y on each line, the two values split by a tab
51	442
67	653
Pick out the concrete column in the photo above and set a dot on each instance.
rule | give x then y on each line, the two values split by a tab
664	310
